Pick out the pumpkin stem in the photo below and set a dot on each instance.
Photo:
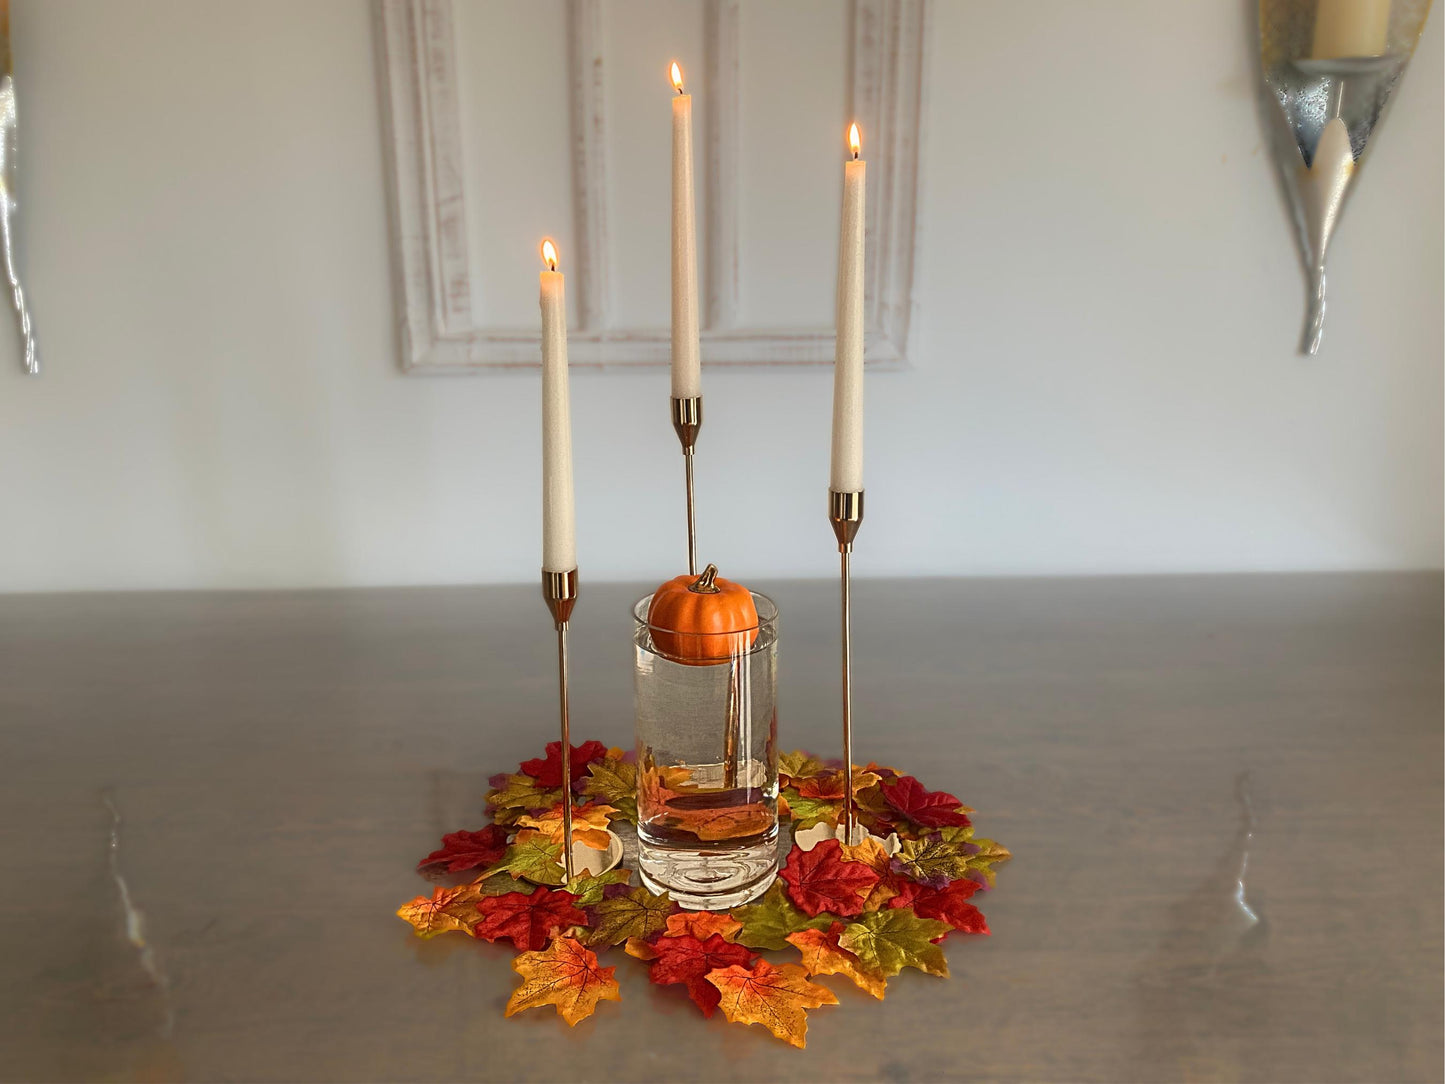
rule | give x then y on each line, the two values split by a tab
706	583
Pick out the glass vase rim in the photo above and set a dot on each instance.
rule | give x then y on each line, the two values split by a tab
766	608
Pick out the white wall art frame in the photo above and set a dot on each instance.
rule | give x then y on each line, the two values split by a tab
428	186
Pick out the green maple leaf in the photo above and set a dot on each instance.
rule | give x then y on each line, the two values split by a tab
799	765
887	941
519	794
536	859
615	782
767	923
806	812
589	889
637	914
989	853
927	860
499	884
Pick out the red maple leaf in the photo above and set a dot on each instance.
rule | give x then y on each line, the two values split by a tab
930	808
467	850
548	770
528	921
821	880
687	960
949	904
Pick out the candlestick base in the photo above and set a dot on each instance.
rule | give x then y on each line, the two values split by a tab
559	589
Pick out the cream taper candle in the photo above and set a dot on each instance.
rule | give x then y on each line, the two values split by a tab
847	472
559	518
1350	28
686	364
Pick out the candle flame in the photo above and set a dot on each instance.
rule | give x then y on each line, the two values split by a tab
676	77
549	254
855	141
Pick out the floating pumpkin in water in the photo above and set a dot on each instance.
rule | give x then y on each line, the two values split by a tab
701	620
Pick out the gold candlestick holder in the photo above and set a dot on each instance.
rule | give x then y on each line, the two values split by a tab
845	512
686	421
560	591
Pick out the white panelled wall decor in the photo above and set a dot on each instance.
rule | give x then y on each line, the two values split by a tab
431	186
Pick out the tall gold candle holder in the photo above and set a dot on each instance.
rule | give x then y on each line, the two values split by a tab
686	421
845	512
560	591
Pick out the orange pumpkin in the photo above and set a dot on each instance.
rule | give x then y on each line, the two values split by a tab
702	620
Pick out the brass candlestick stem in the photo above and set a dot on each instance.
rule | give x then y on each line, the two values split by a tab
845	512
686	421
560	591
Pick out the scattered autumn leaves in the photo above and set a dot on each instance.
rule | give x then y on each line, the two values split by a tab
862	912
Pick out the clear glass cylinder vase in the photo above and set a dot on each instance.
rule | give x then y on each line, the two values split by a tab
707	780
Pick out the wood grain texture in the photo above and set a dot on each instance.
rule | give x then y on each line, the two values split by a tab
280	761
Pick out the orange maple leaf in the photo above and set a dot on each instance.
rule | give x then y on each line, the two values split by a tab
871	853
448	910
565	975
776	997
822	956
702	925
734	822
589	824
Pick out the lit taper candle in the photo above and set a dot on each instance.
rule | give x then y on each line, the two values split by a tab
686	366
847	471
559	519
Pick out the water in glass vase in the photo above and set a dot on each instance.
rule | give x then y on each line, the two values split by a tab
707	791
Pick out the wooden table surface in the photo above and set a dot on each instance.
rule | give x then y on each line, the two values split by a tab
1223	796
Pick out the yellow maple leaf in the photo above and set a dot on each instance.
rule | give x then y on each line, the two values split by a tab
821	956
589	824
640	947
449	909
702	925
776	997
566	976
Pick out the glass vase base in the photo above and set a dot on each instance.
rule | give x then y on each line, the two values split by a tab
711	879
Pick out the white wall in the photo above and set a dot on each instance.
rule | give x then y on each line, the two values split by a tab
1104	377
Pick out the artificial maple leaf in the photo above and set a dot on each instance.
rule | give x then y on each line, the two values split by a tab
829	784
467	850
527	921
983	859
589	824
499	884
589	889
565	975
533	856
798	765
932	809
514	796
806	812
933	862
820	880
636	913
641	947
702	925
449	910
547	771
887	941
823	956
871	853
614	781
950	904
687	960
776	997
767	923
734	822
